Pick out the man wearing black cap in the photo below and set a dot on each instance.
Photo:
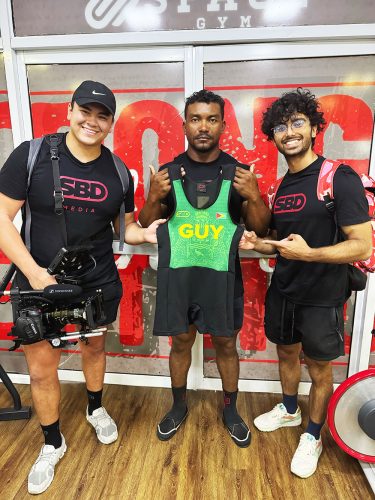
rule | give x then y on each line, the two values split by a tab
90	92
92	197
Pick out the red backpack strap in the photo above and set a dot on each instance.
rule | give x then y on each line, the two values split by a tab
369	185
325	190
272	190
325	180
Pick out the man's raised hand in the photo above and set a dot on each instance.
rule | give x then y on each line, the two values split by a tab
245	182
160	185
248	240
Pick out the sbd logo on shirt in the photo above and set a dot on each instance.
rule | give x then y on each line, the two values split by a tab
82	189
200	232
183	213
289	203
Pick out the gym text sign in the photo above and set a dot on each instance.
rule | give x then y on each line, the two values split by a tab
93	16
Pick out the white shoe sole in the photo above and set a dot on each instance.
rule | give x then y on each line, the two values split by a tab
36	490
107	440
306	474
103	439
292	423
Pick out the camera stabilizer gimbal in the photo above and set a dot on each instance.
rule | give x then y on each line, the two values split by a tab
43	314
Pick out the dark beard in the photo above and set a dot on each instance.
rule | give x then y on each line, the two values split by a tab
203	148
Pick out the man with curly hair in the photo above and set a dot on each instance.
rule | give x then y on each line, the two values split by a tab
304	303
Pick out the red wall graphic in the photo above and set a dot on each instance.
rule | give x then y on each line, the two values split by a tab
165	120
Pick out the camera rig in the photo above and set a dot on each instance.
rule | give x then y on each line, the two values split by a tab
44	314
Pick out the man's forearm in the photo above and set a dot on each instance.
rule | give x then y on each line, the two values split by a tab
13	247
134	234
265	248
257	216
342	253
151	211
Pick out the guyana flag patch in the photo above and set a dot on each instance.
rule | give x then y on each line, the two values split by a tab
221	215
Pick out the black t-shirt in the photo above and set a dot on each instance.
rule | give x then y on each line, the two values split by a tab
297	210
207	172
92	198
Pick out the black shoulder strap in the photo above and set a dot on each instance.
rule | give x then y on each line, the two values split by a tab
229	171
34	148
331	208
124	177
174	171
54	141
330	204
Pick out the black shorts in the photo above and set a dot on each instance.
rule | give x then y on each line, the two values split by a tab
195	316
112	293
319	329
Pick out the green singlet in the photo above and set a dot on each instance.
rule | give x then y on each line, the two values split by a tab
197	251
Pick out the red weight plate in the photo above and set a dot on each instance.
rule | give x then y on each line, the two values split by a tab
341	389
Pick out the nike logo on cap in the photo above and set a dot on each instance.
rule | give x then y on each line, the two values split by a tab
97	93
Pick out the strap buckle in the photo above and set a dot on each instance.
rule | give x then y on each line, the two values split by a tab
329	202
59	200
330	205
54	153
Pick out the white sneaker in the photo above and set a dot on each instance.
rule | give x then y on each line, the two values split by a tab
43	470
276	418
305	459
104	425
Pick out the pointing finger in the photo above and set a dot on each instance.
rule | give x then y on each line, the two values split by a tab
278	244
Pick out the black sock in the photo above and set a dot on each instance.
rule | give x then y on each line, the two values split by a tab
314	429
52	434
290	403
230	413
179	407
95	400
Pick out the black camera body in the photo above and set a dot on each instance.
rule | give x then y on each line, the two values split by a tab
36	318
43	314
29	325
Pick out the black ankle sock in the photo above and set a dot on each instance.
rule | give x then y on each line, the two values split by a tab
314	429
290	403
230	413
179	407
95	400
52	434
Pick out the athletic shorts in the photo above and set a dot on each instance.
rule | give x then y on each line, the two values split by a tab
319	329
112	293
195	317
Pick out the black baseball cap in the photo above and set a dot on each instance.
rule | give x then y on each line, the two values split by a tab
96	92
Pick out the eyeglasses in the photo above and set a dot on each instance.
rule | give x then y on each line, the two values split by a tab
283	127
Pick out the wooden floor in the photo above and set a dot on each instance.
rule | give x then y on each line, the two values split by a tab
200	462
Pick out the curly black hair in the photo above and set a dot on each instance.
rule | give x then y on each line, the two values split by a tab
207	97
299	101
